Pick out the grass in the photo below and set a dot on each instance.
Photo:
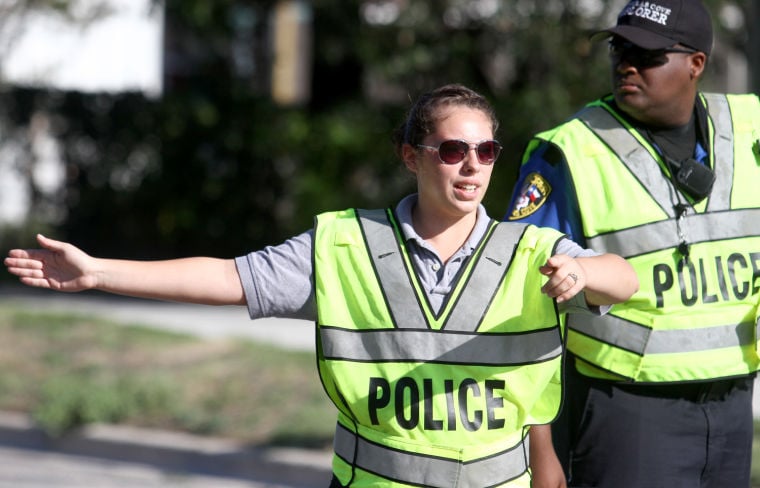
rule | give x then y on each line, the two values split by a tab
68	370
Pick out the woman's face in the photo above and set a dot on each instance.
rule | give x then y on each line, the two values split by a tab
452	190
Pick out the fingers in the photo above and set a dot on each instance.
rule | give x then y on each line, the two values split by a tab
36	282
57	265
566	278
25	259
23	267
573	277
26	264
563	288
21	257
29	271
50	244
34	258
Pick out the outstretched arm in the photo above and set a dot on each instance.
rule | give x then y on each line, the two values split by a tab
606	279
64	267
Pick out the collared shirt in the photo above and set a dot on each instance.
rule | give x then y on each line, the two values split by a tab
436	276
278	281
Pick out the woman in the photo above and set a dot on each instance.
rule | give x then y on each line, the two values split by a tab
439	337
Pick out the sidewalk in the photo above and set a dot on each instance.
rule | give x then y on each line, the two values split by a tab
199	320
106	456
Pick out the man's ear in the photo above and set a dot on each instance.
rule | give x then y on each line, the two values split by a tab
698	62
409	156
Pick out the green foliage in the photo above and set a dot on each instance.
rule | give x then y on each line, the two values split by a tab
69	371
215	167
75	400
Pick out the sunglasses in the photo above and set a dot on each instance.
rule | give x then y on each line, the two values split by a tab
454	151
640	57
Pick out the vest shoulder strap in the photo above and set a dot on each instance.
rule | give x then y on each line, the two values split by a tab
723	143
492	264
630	152
492	261
388	261
641	163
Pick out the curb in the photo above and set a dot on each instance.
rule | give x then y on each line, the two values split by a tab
176	452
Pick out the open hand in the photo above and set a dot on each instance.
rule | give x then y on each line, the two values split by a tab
58	265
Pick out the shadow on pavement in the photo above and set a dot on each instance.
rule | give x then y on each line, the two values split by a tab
176	453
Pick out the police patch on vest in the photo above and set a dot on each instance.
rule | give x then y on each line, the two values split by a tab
533	194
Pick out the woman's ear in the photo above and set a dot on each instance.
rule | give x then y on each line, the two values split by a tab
409	156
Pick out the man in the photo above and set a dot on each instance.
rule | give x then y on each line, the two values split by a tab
659	392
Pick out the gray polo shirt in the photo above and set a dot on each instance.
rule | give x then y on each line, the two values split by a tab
278	279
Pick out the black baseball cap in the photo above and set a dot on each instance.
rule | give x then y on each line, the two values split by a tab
662	23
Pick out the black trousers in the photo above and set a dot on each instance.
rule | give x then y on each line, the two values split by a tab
689	435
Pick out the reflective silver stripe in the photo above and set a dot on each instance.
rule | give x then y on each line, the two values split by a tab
662	235
439	346
400	294
723	151
389	265
484	280
644	166
643	340
422	470
639	161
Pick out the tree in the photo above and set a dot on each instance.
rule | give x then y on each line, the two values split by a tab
216	167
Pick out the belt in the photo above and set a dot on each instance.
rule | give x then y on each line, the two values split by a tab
697	391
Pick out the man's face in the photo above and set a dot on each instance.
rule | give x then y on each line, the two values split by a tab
656	87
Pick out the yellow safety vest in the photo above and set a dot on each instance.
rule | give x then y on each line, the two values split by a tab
692	319
434	399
